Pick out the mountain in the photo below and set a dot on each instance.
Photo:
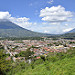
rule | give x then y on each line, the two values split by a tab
9	29
72	31
70	34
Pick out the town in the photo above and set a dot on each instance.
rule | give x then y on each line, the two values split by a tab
38	47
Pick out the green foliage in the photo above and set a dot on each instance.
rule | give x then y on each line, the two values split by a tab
16	55
50	44
27	54
1	47
42	57
5	65
18	67
55	64
37	62
71	42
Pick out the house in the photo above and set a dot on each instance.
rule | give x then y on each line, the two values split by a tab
37	57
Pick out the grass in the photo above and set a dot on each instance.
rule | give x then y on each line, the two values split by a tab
54	64
65	66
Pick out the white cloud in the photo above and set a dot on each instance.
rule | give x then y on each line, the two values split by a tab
55	23
50	2
34	23
44	23
5	15
21	21
46	31
66	24
55	14
67	30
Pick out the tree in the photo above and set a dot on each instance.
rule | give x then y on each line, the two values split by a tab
27	54
5	65
43	57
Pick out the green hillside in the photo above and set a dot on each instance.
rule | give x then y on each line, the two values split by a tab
19	33
69	35
61	67
54	64
9	29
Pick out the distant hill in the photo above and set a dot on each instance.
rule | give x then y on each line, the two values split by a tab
9	29
72	31
70	34
5	24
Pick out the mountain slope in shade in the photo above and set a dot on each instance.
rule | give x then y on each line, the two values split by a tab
72	31
5	24
9	29
69	34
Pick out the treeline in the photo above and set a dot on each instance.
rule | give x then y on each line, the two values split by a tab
70	36
24	38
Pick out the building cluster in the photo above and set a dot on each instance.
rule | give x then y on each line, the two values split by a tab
39	47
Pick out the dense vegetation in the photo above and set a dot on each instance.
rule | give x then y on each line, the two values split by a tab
25	54
68	35
5	65
54	64
24	38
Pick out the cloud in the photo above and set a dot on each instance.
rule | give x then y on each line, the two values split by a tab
67	30
5	15
66	24
55	14
46	31
50	2
44	23
34	23
21	21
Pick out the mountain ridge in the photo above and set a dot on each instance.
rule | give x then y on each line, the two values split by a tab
72	31
9	29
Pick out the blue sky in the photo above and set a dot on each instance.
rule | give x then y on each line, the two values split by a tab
40	15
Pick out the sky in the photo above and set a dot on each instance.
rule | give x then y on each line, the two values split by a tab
45	16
